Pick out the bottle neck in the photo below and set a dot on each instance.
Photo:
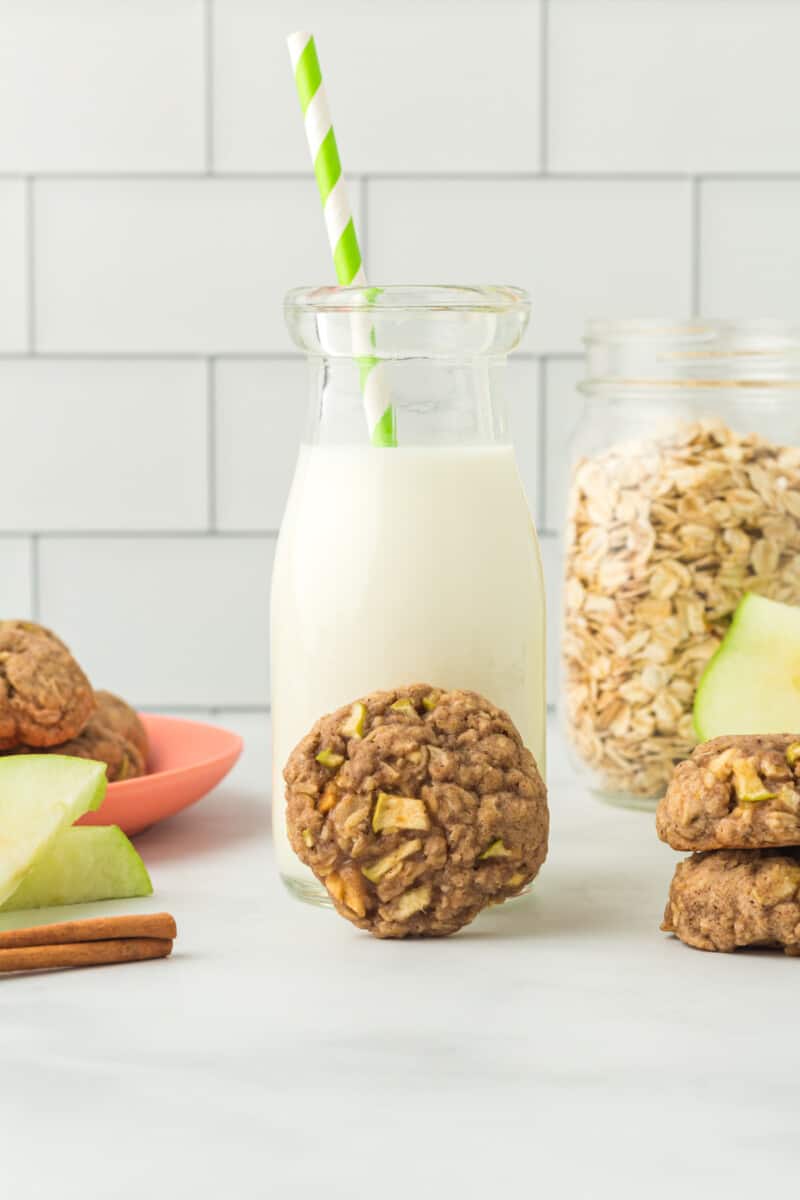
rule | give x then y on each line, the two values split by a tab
433	401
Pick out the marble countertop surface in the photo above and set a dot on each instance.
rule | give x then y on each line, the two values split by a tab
561	1046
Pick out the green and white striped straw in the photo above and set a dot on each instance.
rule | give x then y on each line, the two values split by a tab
341	229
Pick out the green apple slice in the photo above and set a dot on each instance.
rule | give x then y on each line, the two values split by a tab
40	795
752	684
81	865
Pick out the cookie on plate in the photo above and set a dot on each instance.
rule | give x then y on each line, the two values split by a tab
735	792
417	808
119	717
45	698
100	742
725	899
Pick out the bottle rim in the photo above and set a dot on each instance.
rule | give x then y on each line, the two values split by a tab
382	298
438	322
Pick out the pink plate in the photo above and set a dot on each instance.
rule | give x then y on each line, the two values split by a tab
187	759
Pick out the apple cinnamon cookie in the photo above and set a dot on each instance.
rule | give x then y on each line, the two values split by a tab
730	898
741	791
32	627
99	742
417	808
120	718
45	698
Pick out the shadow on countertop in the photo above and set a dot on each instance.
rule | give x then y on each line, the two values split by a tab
218	823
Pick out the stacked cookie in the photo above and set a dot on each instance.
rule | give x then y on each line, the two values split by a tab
48	706
736	803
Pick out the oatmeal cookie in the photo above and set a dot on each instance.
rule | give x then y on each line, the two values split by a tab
119	717
741	791
730	898
32	627
101	743
416	808
45	698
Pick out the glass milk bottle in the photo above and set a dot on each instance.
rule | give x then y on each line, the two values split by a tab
410	561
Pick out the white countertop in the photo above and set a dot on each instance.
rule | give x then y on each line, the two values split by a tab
560	1047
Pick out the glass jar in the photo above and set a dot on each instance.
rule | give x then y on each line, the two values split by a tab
409	562
684	495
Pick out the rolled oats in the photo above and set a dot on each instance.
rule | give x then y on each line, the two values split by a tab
664	538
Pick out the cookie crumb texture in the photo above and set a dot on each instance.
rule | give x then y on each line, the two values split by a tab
45	698
734	792
123	720
417	808
113	735
102	743
730	898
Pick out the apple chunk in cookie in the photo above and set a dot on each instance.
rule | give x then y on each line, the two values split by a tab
416	808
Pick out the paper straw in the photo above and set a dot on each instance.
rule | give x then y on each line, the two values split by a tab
341	229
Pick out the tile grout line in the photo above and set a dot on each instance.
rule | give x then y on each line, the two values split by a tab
211	443
544	84
208	83
199	356
492	176
221	535
143	356
697	230
30	267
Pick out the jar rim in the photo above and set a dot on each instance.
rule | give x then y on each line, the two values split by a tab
657	329
438	297
698	351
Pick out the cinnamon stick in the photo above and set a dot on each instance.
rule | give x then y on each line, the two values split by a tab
83	954
95	929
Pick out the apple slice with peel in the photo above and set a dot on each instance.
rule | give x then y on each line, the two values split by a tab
752	684
41	795
81	865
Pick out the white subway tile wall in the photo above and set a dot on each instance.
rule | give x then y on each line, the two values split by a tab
16	578
88	85
426	85
674	85
104	445
581	247
615	157
750	243
167	620
15	282
259	418
194	266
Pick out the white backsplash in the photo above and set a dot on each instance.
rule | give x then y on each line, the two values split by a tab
615	157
